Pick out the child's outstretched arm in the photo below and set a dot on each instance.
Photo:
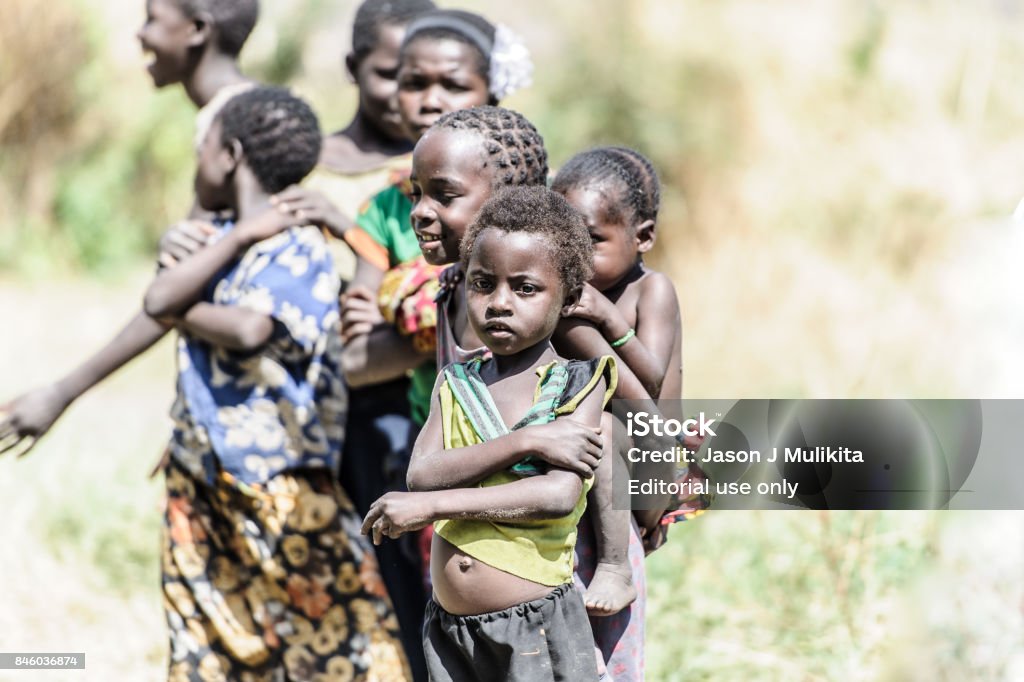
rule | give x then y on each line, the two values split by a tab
550	495
565	443
30	415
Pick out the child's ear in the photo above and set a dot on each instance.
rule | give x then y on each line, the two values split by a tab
570	301
645	235
350	66
234	154
202	29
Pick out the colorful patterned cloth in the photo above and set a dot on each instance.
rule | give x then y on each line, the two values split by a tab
406	300
272	582
255	415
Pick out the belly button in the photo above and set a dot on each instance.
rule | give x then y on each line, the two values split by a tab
465	564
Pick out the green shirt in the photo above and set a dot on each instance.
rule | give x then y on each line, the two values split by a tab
386	219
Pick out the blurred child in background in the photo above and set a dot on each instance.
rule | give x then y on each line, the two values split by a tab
194	43
371	153
262	575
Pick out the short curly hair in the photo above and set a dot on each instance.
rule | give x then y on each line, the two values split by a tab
232	19
509	139
374	14
279	134
632	170
540	211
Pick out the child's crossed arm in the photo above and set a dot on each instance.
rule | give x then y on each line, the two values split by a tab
175	293
565	443
550	495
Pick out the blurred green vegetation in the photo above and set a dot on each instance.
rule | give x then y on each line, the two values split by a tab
871	129
90	171
792	595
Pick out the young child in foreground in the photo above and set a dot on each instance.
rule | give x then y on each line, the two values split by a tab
264	575
504	605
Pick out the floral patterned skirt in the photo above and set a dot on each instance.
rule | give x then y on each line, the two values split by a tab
273	583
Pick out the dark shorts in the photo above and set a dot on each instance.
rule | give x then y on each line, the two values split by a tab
545	639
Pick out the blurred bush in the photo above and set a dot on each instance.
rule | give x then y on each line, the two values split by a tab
92	169
870	129
87	169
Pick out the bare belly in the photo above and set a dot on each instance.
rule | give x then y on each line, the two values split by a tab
466	586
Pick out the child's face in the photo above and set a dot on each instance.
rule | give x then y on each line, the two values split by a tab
435	77
616	246
514	295
377	79
214	166
167	35
451	180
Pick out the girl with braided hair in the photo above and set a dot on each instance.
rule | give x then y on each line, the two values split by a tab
449	60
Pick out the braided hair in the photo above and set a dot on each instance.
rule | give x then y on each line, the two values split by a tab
631	169
279	134
373	14
233	20
509	139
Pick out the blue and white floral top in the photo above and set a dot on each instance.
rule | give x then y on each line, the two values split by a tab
254	415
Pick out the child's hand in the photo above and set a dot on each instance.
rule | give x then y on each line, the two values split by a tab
601	312
28	417
264	226
566	444
182	239
397	513
653	539
693	442
310	207
359	313
450	277
593	306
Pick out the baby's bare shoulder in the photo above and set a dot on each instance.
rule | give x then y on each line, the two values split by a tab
657	285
